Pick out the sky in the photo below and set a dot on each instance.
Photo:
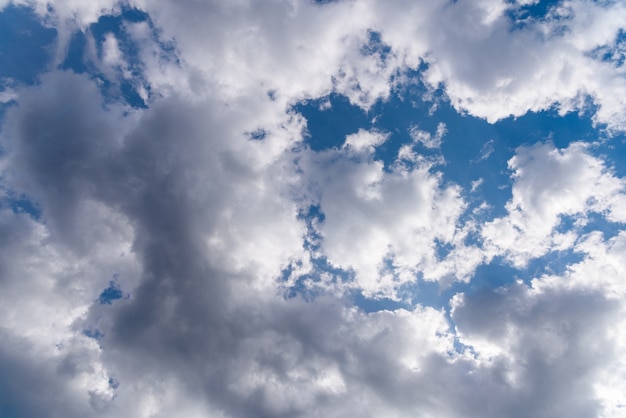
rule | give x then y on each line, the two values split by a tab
298	208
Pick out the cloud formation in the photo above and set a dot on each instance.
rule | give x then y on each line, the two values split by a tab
196	205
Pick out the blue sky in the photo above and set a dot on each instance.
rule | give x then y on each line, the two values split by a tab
300	208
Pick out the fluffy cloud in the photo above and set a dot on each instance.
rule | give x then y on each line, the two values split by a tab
549	185
386	226
192	210
493	69
187	207
493	60
567	360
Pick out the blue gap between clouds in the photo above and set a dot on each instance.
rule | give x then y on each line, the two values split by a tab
302	286
111	293
26	46
612	53
328	127
125	88
107	296
27	49
472	148
24	205
520	15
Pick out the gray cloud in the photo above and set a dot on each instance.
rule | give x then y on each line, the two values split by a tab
198	222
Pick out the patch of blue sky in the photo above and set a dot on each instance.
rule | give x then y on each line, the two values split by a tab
257	135
313	214
534	11
595	222
26	46
26	49
21	204
370	305
614	53
95	334
311	285
472	148
613	152
75	57
116	26
111	293
553	263
410	106
375	46
429	293
330	119
126	87
501	273
497	273
475	150
546	125
3	109
18	202
113	383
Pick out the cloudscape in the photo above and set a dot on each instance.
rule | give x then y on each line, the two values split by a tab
299	208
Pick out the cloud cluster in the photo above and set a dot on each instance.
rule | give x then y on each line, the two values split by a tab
551	185
493	57
192	210
387	226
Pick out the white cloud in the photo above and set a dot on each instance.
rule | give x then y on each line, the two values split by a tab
426	138
199	222
300	49
7	95
494	71
152	191
541	336
364	141
476	184
549	184
111	54
46	288
386	225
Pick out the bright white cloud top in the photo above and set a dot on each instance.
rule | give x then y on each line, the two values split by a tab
297	208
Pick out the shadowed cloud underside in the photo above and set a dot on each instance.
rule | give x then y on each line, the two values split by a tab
296	208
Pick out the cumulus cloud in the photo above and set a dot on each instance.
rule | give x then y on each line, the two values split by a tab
550	184
148	183
547	62
545	342
493	61
394	219
199	225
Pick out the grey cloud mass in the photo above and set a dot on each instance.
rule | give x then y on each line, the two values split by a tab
202	227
